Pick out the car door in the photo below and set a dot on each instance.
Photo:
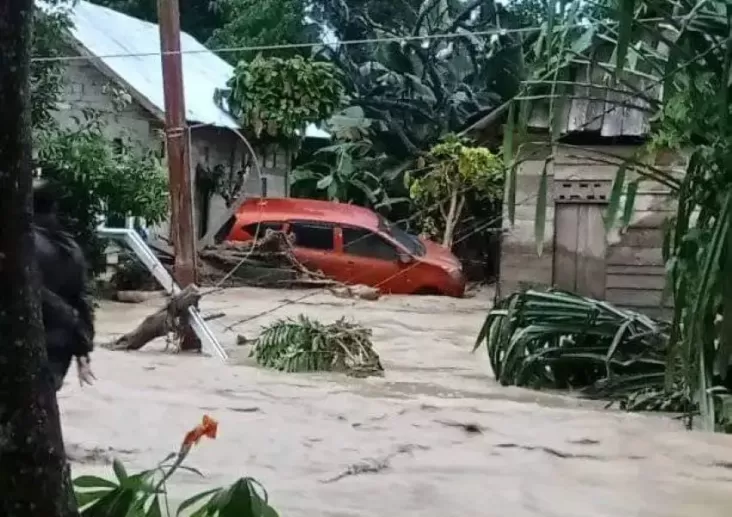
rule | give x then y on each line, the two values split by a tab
370	259
314	246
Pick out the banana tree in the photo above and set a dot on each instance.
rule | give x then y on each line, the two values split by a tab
346	172
421	89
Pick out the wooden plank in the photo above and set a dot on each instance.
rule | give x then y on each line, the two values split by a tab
523	232
636	270
635	282
635	298
591	248
641	238
653	219
566	225
626	256
585	171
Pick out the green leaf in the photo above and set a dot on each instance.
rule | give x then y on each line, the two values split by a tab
629	206
584	42
325	182
238	502
84	499
94	482
615	196
626	15
154	510
541	207
198	498
508	133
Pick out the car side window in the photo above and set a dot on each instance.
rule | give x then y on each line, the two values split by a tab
315	236
365	243
251	229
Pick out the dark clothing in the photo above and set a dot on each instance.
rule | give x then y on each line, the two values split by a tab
67	309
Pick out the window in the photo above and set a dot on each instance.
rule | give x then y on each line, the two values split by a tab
409	241
316	236
251	229
364	243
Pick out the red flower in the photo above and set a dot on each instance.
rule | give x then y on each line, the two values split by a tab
209	427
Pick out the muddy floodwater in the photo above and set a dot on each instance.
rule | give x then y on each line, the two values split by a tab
436	436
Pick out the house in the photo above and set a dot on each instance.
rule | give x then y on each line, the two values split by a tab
598	131
119	56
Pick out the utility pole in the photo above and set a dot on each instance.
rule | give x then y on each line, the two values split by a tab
179	169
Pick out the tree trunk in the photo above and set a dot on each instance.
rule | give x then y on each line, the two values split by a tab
34	478
162	322
451	219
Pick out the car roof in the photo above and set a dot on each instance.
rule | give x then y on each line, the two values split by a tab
284	209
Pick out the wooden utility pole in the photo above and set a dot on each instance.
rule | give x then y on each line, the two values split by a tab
34	477
179	168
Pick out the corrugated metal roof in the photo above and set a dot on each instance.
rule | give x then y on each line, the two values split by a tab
594	107
107	34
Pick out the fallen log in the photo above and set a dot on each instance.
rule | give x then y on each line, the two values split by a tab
169	319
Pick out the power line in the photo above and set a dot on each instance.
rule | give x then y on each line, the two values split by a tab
365	41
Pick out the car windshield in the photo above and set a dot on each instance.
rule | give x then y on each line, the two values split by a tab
406	239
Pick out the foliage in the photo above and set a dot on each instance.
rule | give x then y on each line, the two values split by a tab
46	77
346	172
455	171
689	54
558	340
416	91
98	179
262	23
279	97
304	345
144	494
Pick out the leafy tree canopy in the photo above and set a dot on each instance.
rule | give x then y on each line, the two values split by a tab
262	23
278	97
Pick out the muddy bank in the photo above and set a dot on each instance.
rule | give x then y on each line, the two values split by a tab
435	436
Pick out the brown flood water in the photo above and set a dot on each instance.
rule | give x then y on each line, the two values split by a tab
435	437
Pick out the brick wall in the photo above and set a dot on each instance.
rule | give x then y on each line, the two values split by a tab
87	87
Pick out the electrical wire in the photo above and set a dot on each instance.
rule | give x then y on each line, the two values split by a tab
365	41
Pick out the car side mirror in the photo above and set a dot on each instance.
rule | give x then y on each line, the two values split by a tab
405	258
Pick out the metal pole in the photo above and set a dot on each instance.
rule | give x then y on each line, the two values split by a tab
176	134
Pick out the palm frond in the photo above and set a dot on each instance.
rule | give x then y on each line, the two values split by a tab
555	339
306	345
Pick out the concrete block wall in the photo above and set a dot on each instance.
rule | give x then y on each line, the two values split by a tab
86	87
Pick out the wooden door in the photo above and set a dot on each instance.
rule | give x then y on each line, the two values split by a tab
580	243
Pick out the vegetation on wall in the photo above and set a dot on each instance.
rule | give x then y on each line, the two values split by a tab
454	171
277	98
98	179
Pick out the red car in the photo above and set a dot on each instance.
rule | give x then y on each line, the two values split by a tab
354	245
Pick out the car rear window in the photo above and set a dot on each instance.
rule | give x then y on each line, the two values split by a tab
317	236
364	243
251	229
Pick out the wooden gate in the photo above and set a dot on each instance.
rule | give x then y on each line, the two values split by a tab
580	243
